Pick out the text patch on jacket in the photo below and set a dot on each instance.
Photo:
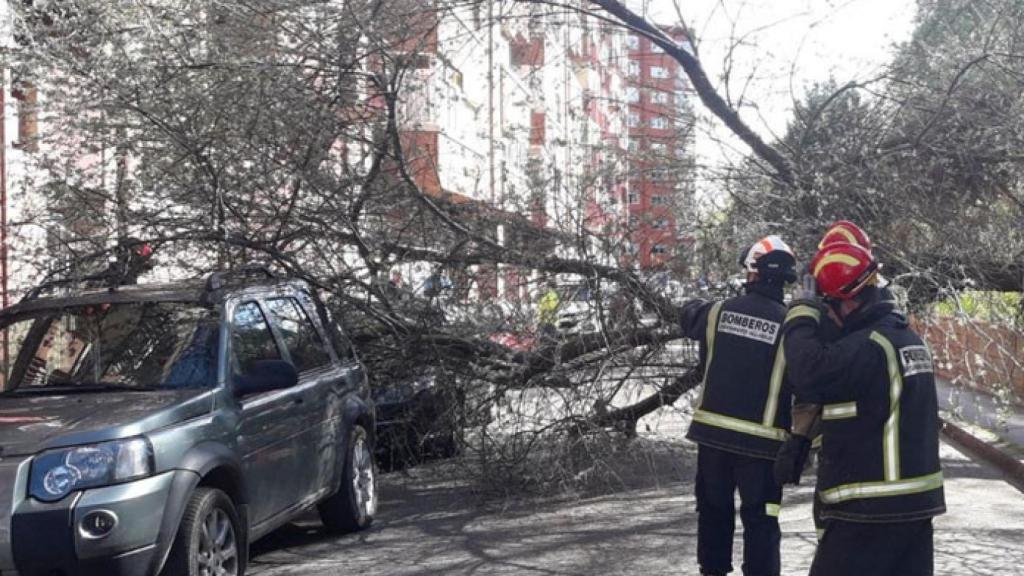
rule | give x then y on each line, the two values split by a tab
750	327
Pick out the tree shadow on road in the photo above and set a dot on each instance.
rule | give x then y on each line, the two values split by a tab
433	521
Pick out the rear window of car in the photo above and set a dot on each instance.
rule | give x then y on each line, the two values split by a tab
300	336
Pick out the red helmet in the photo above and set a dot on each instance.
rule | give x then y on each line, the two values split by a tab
847	232
842	270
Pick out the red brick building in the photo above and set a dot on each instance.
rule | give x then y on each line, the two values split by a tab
661	136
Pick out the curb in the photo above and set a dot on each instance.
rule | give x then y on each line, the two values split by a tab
1011	468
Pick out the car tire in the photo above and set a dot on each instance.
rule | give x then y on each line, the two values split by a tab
209	539
353	506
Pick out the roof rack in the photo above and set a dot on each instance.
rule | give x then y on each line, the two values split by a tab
219	280
90	281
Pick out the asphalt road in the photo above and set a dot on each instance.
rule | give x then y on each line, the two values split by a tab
430	524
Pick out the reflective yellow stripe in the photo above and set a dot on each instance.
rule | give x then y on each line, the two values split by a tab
891	435
882	489
775	386
772	509
803	310
840	411
816	443
737	425
835	258
819	532
709	337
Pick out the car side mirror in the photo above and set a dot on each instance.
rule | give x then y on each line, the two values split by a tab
266	375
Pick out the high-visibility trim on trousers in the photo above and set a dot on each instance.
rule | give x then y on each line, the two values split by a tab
738	425
881	489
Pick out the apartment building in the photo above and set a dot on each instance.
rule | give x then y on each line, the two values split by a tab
661	146
522	114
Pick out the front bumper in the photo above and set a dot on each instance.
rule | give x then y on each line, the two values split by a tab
45	539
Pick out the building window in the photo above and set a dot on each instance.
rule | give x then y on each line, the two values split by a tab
634	120
634	69
659	249
660	97
659	123
537	128
658	146
25	94
660	224
527	51
632	42
634	198
657	200
655	49
659	72
633	146
632	94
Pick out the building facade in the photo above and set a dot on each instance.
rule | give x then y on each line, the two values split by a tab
522	113
661	144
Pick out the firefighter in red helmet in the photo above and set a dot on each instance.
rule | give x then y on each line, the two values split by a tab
806	417
845	232
879	478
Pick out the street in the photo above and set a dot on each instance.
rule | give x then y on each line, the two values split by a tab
431	525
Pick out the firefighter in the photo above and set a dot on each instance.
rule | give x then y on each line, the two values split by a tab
742	416
806	416
879	478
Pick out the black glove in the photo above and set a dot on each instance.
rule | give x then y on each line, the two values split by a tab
790	461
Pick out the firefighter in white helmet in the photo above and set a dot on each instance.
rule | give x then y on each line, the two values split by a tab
744	412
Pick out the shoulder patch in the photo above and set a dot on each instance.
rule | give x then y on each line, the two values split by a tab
916	360
750	327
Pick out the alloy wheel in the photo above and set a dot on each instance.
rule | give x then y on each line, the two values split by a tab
364	482
218	545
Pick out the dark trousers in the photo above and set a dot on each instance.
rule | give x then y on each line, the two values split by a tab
719	474
860	549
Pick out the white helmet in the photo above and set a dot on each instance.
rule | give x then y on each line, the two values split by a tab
763	246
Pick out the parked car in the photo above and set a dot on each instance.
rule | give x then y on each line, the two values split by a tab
160	429
583	306
418	416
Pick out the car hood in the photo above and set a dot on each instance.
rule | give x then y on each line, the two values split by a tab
30	424
575	308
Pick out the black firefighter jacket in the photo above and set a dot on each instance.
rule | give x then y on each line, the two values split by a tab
745	402
880	429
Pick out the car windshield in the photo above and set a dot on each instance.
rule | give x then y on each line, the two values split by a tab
576	293
131	346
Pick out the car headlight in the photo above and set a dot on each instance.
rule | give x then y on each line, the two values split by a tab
57	473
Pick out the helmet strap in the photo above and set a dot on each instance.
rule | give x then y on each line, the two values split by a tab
861	280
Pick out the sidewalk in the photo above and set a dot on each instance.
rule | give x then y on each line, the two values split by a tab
978	424
982	410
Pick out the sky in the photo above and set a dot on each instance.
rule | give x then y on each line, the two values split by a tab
780	48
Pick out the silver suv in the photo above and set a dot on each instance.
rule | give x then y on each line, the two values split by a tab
160	429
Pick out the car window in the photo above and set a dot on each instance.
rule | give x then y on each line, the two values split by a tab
251	338
299	335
